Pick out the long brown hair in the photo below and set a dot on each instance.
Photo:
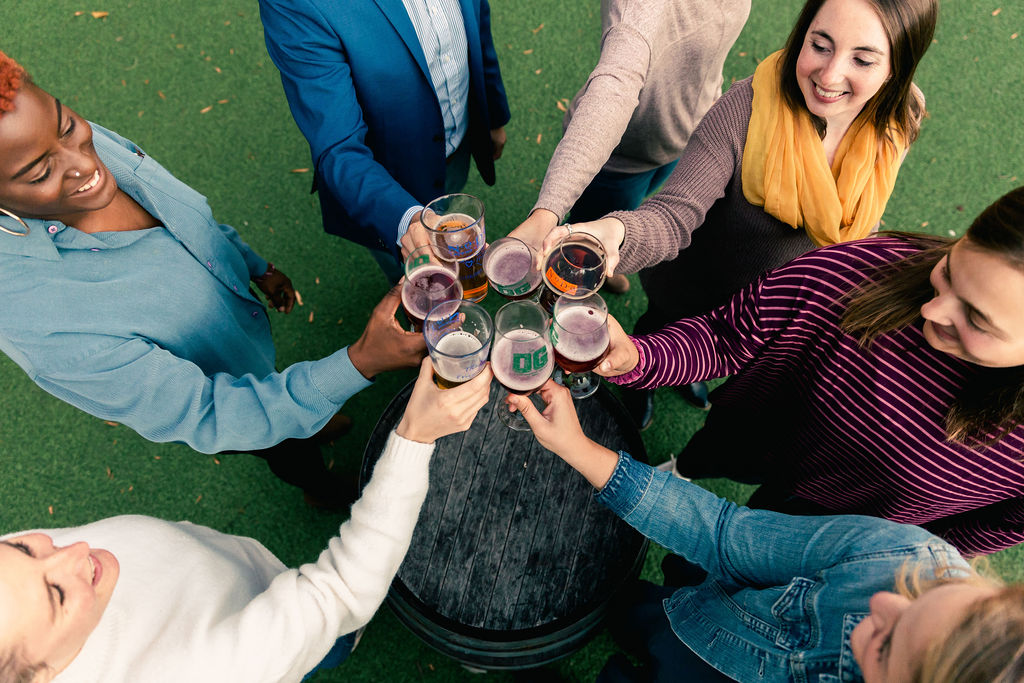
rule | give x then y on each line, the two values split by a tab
991	402
909	25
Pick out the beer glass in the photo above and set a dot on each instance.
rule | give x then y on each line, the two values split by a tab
458	338
508	265
574	268
579	333
430	278
521	357
455	224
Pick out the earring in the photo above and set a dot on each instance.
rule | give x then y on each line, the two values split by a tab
11	232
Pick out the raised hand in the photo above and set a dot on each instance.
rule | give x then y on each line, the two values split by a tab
432	412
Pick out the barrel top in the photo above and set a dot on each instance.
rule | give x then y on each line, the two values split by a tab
510	538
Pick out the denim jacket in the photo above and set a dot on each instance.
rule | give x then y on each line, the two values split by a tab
158	329
783	593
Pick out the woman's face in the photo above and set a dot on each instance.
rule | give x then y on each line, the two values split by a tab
51	598
890	641
977	313
48	166
844	60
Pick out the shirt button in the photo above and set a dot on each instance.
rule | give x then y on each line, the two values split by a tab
52	229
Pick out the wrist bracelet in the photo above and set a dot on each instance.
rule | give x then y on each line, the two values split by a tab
270	271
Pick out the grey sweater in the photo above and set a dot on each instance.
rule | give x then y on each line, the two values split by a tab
660	70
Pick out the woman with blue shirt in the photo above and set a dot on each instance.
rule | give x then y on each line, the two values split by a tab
124	297
790	598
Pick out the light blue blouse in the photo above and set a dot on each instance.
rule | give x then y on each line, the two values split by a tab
783	593
157	328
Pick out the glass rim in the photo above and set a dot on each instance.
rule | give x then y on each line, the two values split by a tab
579	300
479	219
565	241
484	343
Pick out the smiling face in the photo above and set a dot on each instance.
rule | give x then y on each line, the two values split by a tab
977	313
51	598
892	639
843	62
49	167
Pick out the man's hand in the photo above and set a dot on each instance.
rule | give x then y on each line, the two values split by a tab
415	236
622	352
498	139
432	412
278	289
384	345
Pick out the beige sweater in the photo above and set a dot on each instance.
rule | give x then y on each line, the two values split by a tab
659	72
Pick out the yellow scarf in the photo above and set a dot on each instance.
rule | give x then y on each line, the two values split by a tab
786	172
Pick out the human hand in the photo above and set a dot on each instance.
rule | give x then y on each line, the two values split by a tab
415	236
498	139
609	231
432	412
622	356
384	345
558	429
535	228
278	289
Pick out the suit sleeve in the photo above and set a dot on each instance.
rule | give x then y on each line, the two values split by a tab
497	102
318	83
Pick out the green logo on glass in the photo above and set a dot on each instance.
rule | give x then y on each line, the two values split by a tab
525	363
513	290
420	260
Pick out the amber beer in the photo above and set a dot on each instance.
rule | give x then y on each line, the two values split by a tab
453	348
467	247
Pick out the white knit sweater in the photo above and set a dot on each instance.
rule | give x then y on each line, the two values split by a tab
193	604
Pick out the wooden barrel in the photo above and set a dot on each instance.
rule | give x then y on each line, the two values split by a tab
513	563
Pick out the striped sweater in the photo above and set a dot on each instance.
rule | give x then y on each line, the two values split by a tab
853	430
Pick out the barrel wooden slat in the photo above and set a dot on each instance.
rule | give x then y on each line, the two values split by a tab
512	561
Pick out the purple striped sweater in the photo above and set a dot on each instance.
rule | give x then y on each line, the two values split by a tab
854	430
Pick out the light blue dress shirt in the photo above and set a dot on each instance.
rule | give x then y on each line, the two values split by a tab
783	593
157	329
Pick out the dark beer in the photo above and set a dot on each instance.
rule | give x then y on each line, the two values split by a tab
428	286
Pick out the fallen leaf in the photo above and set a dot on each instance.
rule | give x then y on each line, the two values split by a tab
156	457
531	181
161	95
112	424
79	13
140	114
217	69
132	487
317	280
124	84
528	52
110	475
298	298
561	107
216	461
223	101
538	137
996	11
199	497
50	509
925	224
537	72
743	54
1014	36
300	170
227	23
340	321
205	109
99	15
311	316
538	28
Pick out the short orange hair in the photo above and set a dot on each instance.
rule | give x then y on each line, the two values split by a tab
12	75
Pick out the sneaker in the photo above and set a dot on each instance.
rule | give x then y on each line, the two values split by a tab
670	466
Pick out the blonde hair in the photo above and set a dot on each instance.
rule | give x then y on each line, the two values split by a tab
987	645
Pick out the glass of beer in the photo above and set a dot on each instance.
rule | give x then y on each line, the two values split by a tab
508	265
458	335
579	333
574	268
521	359
455	224
430	278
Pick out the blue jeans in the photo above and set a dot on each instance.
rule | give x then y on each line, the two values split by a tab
337	654
642	627
610	191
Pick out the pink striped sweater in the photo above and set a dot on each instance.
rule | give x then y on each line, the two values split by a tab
856	431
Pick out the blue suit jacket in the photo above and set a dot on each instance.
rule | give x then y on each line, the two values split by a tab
358	86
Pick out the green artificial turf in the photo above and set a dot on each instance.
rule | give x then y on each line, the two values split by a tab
191	83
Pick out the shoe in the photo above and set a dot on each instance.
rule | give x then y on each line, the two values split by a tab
696	395
332	493
670	466
617	284
639	404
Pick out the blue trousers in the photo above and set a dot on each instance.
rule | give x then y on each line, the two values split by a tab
337	654
610	191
